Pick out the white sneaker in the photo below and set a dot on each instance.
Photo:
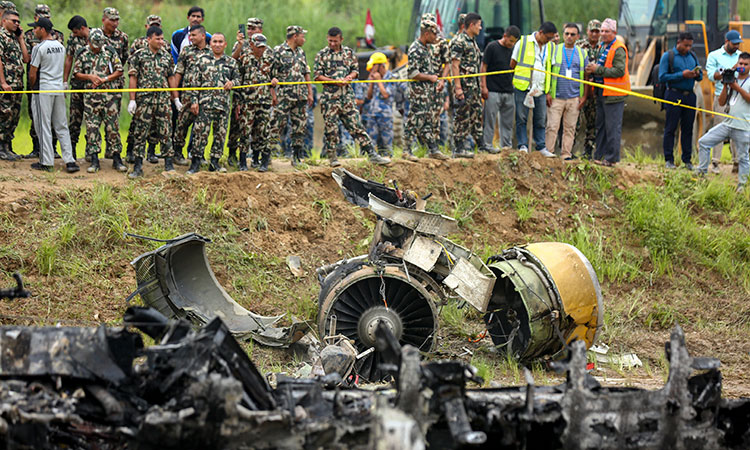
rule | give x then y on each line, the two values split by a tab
546	153
523	149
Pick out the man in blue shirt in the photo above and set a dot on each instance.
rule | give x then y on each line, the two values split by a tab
679	75
181	38
725	57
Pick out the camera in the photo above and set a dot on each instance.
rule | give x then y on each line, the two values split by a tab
728	76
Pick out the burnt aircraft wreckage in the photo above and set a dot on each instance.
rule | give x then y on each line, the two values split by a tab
86	388
535	299
80	388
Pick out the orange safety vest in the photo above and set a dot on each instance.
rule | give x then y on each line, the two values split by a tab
622	82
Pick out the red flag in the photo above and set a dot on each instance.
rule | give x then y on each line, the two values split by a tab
439	21
369	29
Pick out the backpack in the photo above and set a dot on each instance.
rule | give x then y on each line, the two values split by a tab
659	87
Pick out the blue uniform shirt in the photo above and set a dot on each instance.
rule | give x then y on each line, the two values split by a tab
674	79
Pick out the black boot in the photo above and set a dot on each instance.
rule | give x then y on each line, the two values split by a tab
129	156
11	152
295	157
73	146
4	152
117	163
180	160
256	158
264	161
168	166
94	167
243	162
152	154
232	158
195	165
214	166
137	169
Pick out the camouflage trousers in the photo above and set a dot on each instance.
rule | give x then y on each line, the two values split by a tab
296	113
118	101
97	112
10	112
76	117
380	129
467	120
420	126
286	136
345	111
185	118
152	118
234	138
587	119
253	121
207	119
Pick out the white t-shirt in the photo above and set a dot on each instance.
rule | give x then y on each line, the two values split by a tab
738	107
49	57
540	53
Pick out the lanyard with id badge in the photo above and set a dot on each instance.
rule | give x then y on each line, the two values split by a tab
568	62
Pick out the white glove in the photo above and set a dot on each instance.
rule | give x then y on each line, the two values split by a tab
65	85
131	107
178	104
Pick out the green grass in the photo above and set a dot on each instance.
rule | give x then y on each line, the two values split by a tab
524	207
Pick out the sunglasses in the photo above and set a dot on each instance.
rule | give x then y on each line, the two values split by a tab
17	22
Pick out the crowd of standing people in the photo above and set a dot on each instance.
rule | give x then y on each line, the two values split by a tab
540	77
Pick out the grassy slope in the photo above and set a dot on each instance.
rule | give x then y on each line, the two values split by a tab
669	250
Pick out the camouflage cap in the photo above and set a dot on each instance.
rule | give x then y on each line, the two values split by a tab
461	19
153	19
430	25
7	6
255	22
259	40
291	30
594	25
111	13
429	16
42	11
96	38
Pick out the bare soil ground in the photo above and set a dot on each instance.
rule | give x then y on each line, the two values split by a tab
290	212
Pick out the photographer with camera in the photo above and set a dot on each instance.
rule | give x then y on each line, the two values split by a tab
736	94
722	58
679	70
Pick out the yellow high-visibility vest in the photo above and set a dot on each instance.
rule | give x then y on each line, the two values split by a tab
527	55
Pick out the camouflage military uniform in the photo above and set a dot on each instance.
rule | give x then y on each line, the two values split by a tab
337	102
286	64
256	105
377	114
468	114
76	99
31	42
442	54
190	63
214	105
100	108
589	108
153	113
307	145
420	123
119	42
139	43
10	104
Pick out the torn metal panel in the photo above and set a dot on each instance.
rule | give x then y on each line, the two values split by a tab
177	280
420	221
471	284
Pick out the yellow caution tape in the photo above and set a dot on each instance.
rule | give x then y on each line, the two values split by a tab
404	80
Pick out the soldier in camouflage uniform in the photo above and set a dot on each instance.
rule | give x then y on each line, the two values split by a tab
236	130
287	63
31	42
99	66
423	69
211	108
441	54
377	109
13	55
139	43
256	108
78	39
7	6
588	44
191	61
118	40
338	63
152	67
466	59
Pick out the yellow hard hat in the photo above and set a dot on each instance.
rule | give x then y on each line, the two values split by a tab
376	58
